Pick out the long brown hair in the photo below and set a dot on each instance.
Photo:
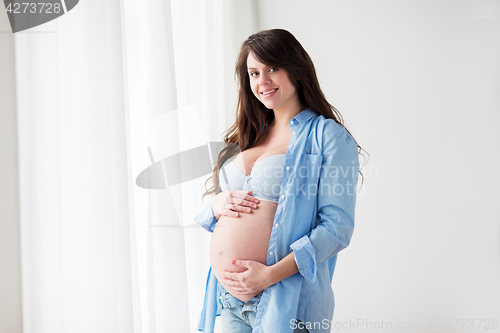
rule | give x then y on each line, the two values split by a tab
275	48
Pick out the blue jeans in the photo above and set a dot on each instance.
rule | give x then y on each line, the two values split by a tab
239	317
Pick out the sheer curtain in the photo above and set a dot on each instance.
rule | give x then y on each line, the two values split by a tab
103	93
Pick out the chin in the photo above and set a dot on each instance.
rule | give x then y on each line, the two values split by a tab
270	106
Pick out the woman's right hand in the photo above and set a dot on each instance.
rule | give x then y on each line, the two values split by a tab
230	202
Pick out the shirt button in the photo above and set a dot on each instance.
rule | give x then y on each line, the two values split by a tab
288	168
291	122
271	253
248	177
294	132
282	196
220	297
276	225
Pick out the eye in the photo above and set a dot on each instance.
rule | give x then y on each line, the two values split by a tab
254	74
273	69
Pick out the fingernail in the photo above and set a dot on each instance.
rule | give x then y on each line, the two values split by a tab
248	209
254	206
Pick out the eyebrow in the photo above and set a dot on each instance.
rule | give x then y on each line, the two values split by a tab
251	68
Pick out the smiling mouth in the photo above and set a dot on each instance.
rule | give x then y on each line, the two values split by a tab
269	92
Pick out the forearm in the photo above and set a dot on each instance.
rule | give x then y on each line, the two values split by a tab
284	268
207	218
216	214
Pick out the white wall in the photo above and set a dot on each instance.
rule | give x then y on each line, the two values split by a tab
418	85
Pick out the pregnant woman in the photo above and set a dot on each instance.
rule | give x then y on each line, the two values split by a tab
285	188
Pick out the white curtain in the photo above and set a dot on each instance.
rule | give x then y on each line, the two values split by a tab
96	89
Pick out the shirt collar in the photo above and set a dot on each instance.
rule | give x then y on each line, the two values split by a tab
304	115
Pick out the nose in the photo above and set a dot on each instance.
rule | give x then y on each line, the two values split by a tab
264	79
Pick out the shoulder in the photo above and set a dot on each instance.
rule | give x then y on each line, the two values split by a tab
328	128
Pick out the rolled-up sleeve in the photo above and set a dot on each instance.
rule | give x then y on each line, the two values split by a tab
336	199
207	218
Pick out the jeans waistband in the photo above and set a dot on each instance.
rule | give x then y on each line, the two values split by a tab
225	300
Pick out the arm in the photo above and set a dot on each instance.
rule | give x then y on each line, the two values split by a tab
228	203
282	269
207	219
258	276
336	203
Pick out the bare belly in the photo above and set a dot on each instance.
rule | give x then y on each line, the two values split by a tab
245	237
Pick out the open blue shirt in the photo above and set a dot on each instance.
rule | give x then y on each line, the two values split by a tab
314	218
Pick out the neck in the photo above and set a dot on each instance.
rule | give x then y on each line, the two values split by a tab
282	116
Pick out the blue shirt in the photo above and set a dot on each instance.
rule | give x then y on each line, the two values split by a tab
314	218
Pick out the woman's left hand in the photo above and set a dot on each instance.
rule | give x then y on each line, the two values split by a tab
256	278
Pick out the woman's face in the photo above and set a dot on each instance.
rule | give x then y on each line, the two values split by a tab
271	85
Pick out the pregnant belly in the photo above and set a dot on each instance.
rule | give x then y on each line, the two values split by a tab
245	237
